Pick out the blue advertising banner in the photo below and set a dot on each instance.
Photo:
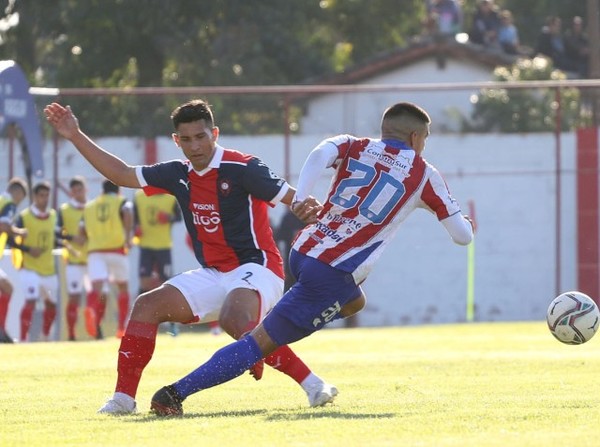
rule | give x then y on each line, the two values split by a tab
17	107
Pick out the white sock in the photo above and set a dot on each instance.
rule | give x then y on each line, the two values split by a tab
124	399
310	380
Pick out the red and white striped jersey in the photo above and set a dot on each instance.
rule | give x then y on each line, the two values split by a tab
377	184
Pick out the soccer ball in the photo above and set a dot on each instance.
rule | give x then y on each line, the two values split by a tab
573	318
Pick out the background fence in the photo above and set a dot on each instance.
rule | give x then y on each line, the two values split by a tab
537	222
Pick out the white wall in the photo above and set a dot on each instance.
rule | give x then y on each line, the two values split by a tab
421	277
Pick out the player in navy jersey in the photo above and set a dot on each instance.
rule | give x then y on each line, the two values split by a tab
376	185
224	196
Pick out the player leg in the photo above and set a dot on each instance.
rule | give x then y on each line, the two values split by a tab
6	291
98	274
253	291
118	268
315	300
74	278
49	293
31	292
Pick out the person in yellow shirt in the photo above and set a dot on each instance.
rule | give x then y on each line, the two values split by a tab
69	219
37	272
16	191
108	226
154	217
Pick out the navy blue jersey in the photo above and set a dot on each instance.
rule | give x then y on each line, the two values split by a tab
224	207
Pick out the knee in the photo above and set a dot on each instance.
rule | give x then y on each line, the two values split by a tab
353	307
6	287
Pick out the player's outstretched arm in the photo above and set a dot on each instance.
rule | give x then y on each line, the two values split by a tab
110	166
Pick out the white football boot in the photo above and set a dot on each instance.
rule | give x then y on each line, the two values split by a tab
119	404
320	394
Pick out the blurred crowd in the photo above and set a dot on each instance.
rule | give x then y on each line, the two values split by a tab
494	28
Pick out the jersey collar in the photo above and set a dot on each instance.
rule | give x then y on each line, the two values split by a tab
215	161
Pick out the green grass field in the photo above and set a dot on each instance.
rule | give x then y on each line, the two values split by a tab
499	384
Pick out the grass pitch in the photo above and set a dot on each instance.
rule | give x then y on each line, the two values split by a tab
498	384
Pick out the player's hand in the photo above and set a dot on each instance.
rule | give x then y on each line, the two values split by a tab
16	231
163	218
78	239
471	221
36	252
62	119
307	210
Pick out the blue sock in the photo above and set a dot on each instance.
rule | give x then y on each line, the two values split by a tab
227	363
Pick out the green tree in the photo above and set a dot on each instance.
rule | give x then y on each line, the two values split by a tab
526	110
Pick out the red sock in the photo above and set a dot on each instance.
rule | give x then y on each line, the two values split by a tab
100	308
26	317
283	359
49	316
92	300
72	308
123	301
137	347
4	300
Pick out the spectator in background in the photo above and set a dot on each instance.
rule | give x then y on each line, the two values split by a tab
69	219
154	217
508	36
484	30
577	47
444	17
37	271
550	43
16	191
108	225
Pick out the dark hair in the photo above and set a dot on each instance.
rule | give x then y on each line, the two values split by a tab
41	186
108	187
78	180
17	183
194	110
407	108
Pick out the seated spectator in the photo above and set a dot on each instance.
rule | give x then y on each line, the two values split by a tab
484	30
577	47
508	36
444	17
550	43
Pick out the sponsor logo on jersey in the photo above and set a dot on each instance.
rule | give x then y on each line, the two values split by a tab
328	232
209	223
399	162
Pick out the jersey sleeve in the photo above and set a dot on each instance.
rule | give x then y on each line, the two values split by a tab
160	177
436	197
261	182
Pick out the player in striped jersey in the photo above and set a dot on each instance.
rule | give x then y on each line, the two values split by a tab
16	191
377	183
224	196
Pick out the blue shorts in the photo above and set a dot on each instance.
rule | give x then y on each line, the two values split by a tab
313	301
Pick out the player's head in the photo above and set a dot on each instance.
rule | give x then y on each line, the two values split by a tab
109	187
195	132
78	188
41	194
407	122
17	189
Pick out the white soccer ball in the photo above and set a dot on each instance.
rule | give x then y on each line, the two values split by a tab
573	318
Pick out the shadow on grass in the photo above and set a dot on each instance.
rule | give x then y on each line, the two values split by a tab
215	414
280	415
305	415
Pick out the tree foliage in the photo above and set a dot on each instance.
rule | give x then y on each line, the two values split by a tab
146	43
526	110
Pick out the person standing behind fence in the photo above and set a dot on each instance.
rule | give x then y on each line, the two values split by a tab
154	217
15	192
37	272
69	220
108	226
